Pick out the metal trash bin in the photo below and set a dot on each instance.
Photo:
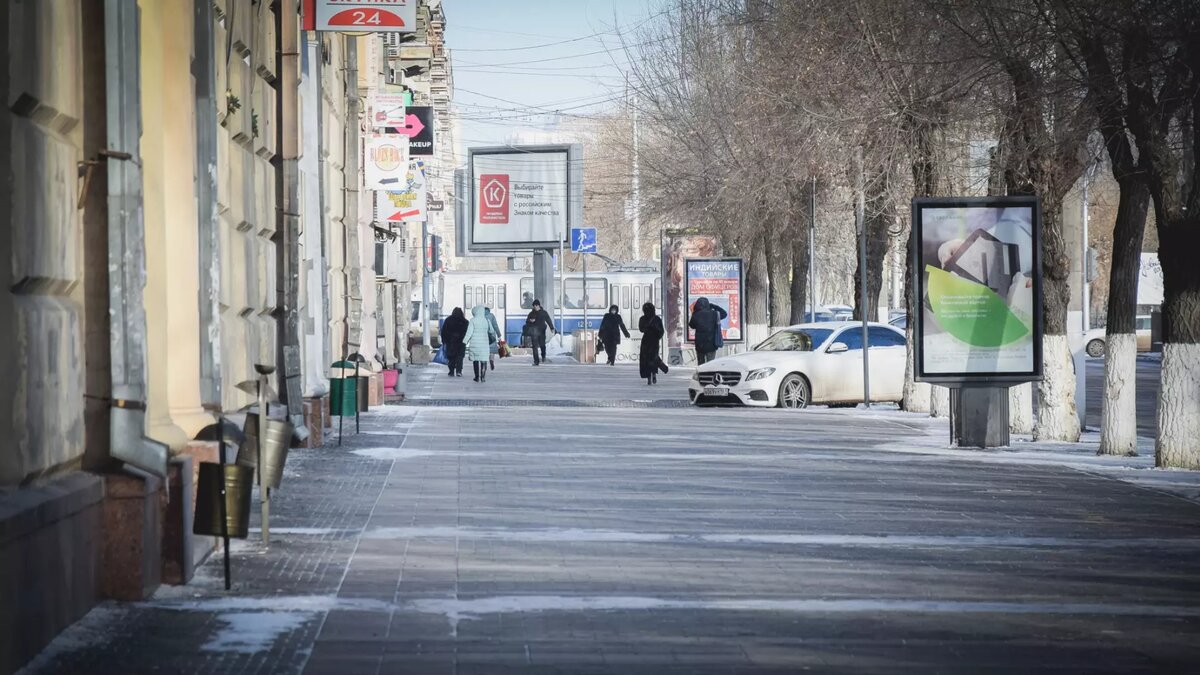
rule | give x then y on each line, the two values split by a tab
343	390
235	481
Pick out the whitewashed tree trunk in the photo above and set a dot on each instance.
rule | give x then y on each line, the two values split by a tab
916	394
1057	419
1118	423
1020	409
939	401
1178	443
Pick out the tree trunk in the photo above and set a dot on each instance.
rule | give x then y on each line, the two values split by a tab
778	258
756	293
917	395
1178	443
801	219
1057	418
879	215
1020	408
1118	425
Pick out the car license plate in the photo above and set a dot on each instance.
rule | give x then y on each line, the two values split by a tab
716	391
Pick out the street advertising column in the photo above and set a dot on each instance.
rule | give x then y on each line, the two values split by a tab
721	280
677	248
977	265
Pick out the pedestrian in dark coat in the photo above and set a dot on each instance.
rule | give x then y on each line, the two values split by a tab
611	328
706	321
536	325
649	362
454	329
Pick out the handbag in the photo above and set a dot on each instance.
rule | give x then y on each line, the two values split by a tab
440	357
719	338
599	345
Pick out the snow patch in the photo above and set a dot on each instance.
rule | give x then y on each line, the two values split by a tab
253	632
456	610
391	453
303	531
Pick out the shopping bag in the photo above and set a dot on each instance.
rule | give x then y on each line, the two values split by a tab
440	356
503	350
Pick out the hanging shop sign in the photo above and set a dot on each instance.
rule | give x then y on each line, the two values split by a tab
720	280
385	162
407	205
387	111
375	16
417	126
979	282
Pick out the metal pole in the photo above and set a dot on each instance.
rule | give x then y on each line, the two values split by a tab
637	186
812	252
224	501
1083	258
860	217
562	289
264	493
425	262
586	301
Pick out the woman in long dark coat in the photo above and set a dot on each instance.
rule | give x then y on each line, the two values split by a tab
652	329
611	327
454	329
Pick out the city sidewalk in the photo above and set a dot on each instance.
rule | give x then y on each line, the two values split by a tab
570	518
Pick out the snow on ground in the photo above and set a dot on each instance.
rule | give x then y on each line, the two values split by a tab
253	632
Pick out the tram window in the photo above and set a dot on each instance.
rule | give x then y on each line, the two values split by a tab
596	295
625	297
501	296
467	293
527	293
637	296
491	296
614	292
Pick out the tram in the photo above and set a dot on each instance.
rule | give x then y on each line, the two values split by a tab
510	296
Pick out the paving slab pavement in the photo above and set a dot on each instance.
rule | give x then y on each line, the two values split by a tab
572	519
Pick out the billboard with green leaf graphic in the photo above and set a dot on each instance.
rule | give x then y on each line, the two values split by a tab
978	288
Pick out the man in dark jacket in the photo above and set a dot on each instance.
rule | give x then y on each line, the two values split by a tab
611	327
536	325
706	321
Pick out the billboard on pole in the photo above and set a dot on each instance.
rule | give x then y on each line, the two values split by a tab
979	283
385	162
523	197
721	280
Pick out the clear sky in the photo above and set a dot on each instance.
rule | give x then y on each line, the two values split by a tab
518	61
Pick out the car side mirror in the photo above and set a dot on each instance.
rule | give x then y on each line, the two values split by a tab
837	348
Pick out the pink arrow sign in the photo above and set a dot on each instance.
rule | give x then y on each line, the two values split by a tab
412	126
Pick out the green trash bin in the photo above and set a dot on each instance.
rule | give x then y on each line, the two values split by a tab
343	390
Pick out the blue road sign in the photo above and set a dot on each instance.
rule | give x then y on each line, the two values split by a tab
583	240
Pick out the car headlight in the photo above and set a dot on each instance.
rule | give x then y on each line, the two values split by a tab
760	374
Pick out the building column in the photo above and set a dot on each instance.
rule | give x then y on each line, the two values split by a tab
172	293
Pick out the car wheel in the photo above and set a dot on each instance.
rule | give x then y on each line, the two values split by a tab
1095	348
794	392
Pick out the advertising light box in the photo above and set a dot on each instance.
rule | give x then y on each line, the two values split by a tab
523	198
978	284
721	281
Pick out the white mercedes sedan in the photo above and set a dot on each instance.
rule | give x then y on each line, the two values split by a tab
806	364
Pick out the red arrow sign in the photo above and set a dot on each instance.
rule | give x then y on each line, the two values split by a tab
401	215
412	126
